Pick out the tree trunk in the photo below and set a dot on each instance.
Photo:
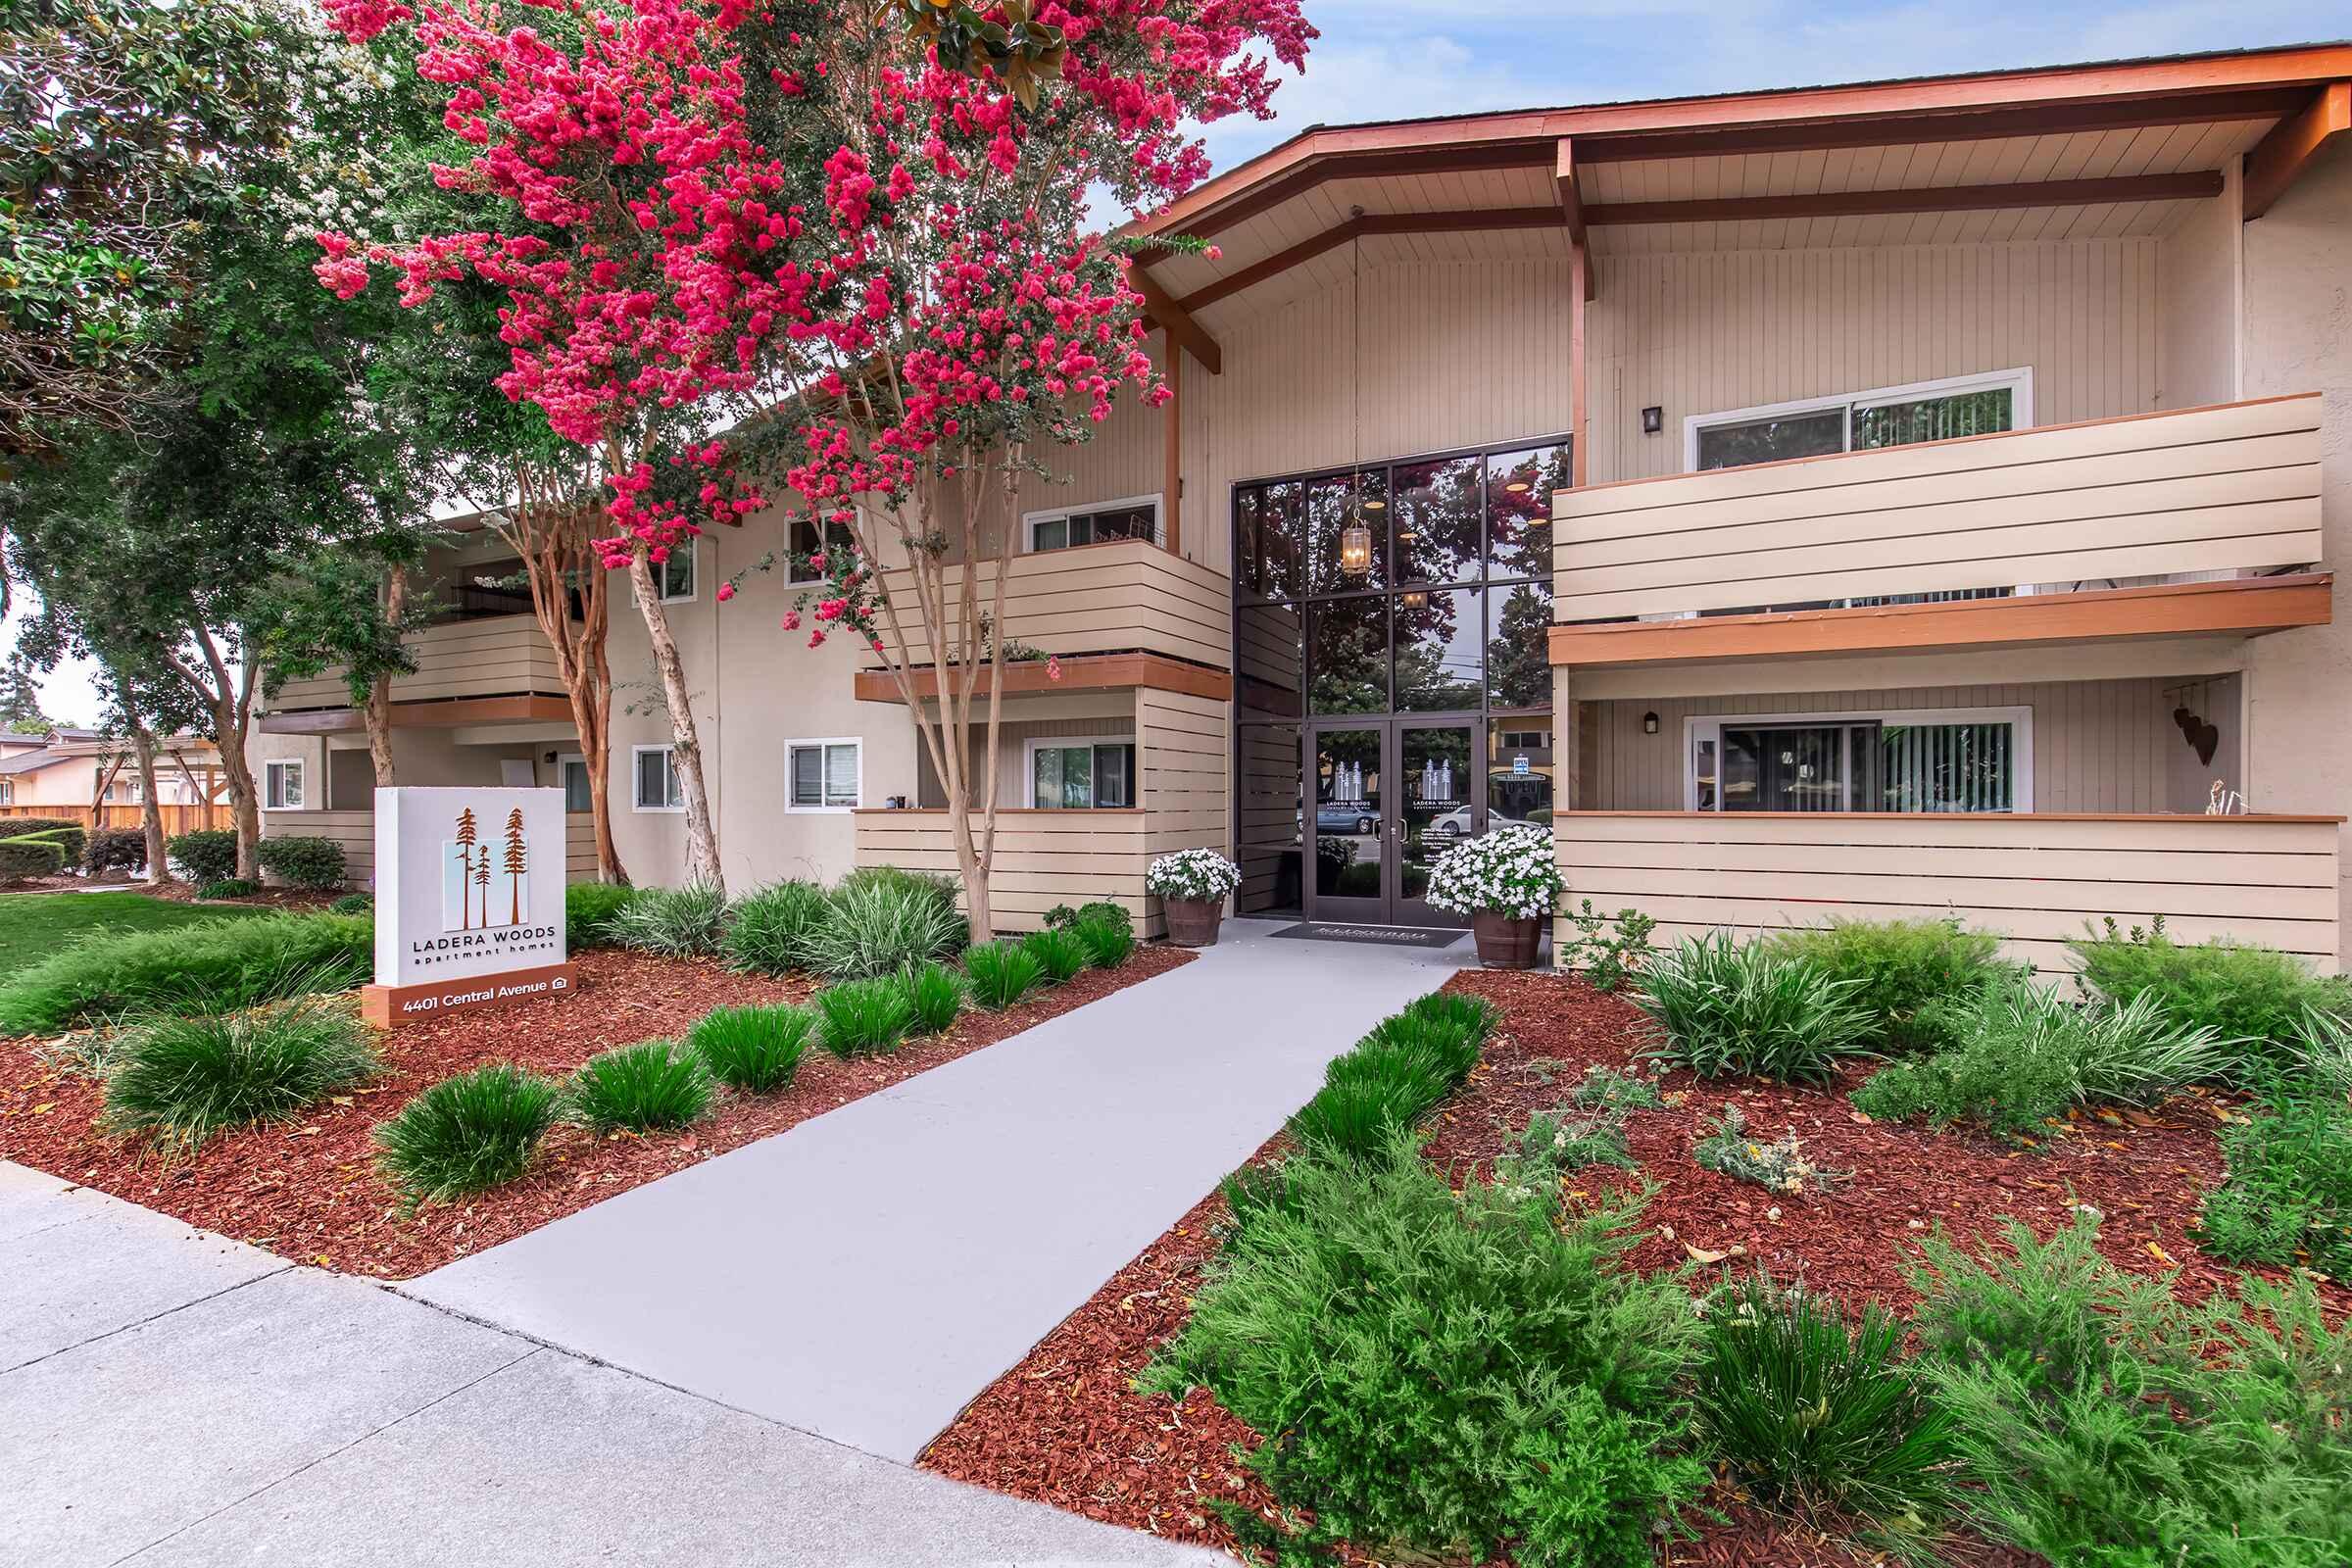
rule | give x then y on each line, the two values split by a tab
151	813
702	839
377	710
244	802
549	531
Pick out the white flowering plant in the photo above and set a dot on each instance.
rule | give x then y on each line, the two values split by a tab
1509	873
1193	874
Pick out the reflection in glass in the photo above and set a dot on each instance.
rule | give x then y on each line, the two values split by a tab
1269	816
1789	769
1519	771
1269	662
1330	505
1518	650
1437	520
1347	813
1519	487
1267	540
1435	772
1799	435
1437	645
1350	641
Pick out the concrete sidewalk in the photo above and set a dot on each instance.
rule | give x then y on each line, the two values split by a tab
170	1397
866	1274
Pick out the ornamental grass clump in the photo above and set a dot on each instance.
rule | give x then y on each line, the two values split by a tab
214	966
1724	1007
1446	1375
879	925
589	910
1002	973
185	1081
1060	955
1403	1066
1107	943
756	1048
936	994
1512	871
680	922
769	932
864	1017
647	1087
466	1134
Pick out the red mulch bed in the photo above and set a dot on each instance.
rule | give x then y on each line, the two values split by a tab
311	1193
1066	1428
267	898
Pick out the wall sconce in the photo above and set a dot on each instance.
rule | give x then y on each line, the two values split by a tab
1653	420
1650	724
1355	550
551	757
1415	599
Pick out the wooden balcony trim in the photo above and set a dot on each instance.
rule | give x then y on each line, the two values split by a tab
2240	604
1966	816
1080	672
442	713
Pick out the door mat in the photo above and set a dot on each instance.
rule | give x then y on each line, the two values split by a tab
1386	936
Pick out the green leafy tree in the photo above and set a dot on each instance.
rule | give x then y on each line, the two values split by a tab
21	703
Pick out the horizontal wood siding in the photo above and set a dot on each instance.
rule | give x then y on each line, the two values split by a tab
1096	599
2202	490
356	832
1187	765
2038	880
1043	857
502	655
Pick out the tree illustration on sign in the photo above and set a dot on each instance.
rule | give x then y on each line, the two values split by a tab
518	860
481	880
468	833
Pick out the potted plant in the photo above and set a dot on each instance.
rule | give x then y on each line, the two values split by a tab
1507	883
1194	885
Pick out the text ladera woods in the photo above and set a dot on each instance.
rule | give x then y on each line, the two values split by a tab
502	936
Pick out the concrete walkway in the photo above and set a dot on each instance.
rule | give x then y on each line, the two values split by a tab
866	1274
173	1398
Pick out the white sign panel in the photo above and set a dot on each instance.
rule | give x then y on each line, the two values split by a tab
468	883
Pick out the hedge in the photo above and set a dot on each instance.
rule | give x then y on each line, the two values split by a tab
310	862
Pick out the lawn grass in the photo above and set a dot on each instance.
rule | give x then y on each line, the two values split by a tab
34	926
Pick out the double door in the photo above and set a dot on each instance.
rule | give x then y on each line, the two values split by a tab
1391	795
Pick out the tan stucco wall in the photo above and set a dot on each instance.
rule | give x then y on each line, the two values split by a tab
2197	303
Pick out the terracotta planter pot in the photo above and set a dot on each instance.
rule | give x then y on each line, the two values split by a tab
1193	922
1505	942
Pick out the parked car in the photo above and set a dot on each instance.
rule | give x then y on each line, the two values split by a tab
1456	823
1345	816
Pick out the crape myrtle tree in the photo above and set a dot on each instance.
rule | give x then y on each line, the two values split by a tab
870	215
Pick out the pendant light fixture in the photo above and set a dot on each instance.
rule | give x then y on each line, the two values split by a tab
1355	539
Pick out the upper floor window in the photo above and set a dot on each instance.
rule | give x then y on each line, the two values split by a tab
804	540
281	785
656	781
674	574
1136	517
1856	422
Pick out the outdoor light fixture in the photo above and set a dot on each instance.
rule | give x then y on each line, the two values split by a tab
1653	420
1650	724
1415	599
1356	540
1517	487
1355	550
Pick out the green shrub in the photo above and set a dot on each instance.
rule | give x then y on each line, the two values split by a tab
1608	950
1107	943
864	1017
1724	1007
1903	966
466	1134
115	849
182	1081
756	1048
1002	973
30	856
1814	1412
2287	1195
72	840
589	910
38	827
1395	1074
650	1085
316	864
1060	955
228	887
1557	1142
2240	993
936	992
2102	1420
353	904
1101	912
1782	1166
1442	1374
880	924
213	965
207	854
769	931
680	922
1608	1088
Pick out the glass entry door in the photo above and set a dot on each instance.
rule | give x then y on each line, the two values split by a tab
1391	796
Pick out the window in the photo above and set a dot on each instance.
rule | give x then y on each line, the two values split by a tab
573	773
824	775
1890	416
804	539
1931	759
281	786
8	792
675	574
656	771
1136	517
1077	773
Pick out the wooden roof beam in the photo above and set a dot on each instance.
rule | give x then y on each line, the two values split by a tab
1919	199
2281	156
1183	332
1572	211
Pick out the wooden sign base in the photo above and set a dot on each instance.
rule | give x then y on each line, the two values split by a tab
387	1006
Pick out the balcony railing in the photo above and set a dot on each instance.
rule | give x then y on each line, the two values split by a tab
500	655
2212	490
1044	858
2036	879
1123	596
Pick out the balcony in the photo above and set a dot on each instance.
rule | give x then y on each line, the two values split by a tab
2036	879
1042	859
486	669
2067	524
1125	612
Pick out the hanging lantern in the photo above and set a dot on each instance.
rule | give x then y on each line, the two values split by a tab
1355	550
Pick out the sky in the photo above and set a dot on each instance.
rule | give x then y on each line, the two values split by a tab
1400	59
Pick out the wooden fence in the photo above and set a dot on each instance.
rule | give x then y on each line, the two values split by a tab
177	817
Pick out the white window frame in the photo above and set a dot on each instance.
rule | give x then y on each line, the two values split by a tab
1038	743
1030	521
821	744
791	560
564	760
637	778
1700	727
2018	380
692	545
273	791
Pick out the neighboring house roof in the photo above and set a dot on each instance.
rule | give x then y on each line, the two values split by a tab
29	761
